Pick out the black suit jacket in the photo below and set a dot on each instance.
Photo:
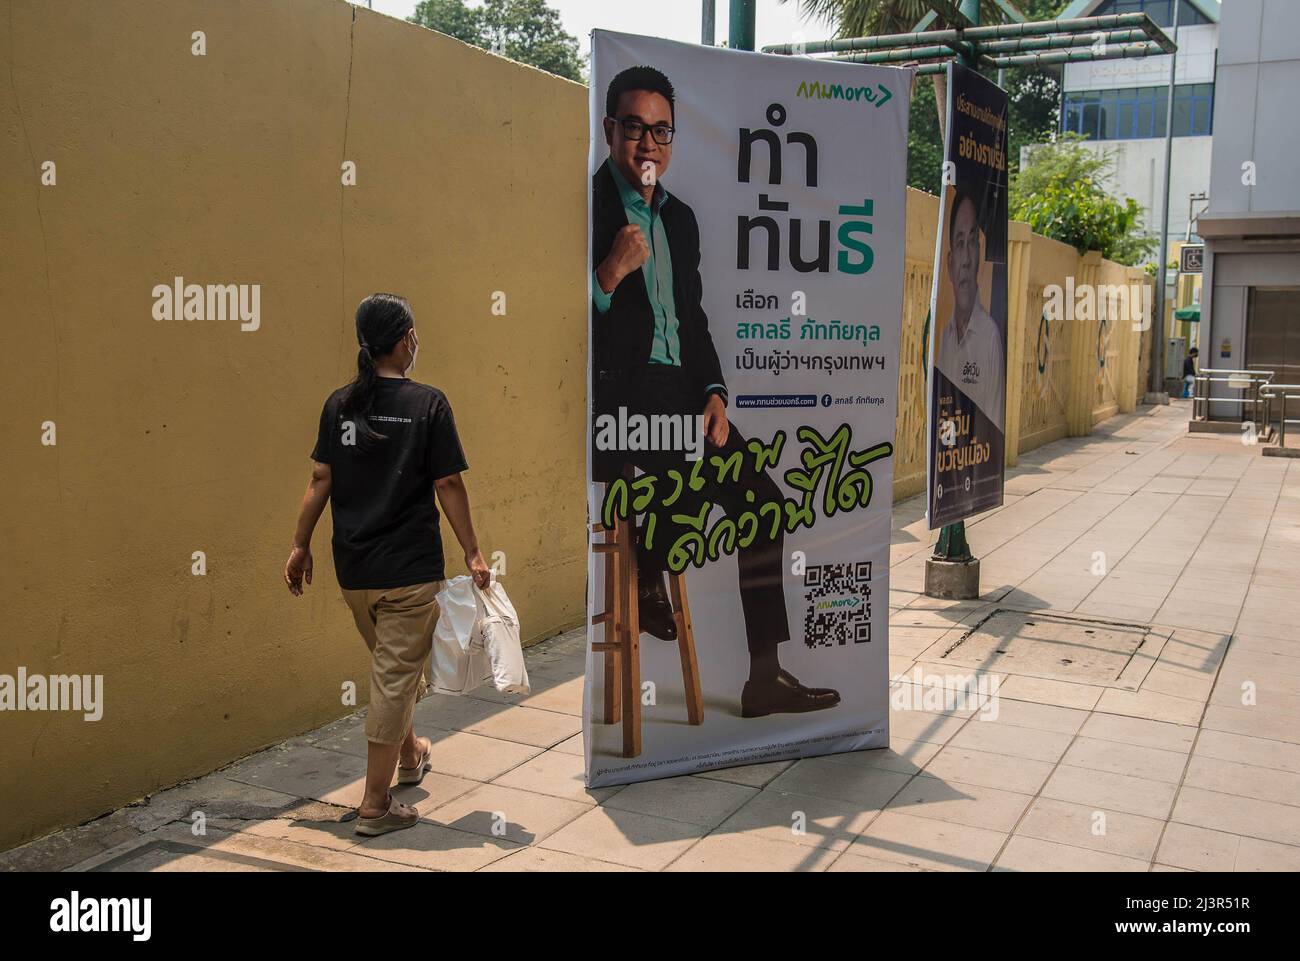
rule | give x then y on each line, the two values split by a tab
622	336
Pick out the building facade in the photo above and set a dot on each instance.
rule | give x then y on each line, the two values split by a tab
1251	304
1121	106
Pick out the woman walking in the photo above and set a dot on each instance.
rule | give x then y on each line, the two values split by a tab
386	445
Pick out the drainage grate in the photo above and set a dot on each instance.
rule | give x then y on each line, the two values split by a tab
1049	645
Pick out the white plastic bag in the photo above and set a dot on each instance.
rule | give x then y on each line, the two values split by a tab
460	662
498	628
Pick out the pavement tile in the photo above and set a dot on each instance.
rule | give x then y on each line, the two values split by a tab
871	788
1257	751
1032	854
559	775
995	737
1040	717
751	775
534	859
1248	817
175	848
748	852
1111	791
1253	721
970	804
435	848
625	837
905	757
848	861
928	843
305	771
1019	774
477	758
337	835
703	801
1041	690
570	745
1139	731
799	819
1120	758
498	811
526	725
63	849
1152	706
563	696
1087	826
1247	780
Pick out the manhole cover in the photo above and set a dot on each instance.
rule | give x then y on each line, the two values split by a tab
1038	645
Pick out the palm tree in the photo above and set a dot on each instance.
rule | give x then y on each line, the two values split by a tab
869	18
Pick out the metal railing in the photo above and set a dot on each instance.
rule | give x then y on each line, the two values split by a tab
1283	392
1252	404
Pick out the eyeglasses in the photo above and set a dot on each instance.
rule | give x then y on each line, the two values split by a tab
635	130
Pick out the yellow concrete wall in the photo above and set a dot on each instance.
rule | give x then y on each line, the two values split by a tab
1055	385
174	437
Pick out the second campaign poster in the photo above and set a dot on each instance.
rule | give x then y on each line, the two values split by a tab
747	221
968	343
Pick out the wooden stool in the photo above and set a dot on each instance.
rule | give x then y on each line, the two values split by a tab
622	644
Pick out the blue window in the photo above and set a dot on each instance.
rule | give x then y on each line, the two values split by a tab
1161	11
1135	113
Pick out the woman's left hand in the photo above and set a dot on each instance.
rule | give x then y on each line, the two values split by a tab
297	568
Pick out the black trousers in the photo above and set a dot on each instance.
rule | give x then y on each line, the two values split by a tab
662	389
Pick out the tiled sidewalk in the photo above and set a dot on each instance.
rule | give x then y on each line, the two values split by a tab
1188	758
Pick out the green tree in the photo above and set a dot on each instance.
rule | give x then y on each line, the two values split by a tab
451	17
525	30
1034	92
924	142
1059	193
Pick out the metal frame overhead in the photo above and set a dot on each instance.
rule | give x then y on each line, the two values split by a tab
1022	44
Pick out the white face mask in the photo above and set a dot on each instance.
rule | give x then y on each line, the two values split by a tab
414	353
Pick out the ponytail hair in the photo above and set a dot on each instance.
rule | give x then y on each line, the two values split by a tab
382	321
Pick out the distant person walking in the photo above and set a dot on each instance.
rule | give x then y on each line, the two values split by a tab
386	445
1189	371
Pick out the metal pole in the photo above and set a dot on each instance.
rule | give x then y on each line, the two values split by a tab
971	10
709	11
740	34
1158	322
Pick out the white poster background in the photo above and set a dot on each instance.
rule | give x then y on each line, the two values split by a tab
862	155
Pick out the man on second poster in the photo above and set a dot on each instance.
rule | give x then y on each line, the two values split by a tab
653	355
970	348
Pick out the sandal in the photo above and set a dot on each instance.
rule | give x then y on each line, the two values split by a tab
392	820
414	775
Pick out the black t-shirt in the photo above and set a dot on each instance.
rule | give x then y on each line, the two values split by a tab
1189	366
385	516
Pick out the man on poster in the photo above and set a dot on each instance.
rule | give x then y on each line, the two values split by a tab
653	356
970	350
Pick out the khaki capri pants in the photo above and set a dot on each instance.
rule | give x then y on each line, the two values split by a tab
397	625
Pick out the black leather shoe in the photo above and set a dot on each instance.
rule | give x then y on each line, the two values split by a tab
654	612
789	678
784	695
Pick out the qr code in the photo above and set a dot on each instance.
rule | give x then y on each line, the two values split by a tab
839	604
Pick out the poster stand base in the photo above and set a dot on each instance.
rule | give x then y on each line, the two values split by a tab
952	580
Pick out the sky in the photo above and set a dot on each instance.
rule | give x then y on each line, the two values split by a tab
775	22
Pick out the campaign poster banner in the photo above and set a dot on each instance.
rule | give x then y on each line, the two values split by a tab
746	269
968	305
